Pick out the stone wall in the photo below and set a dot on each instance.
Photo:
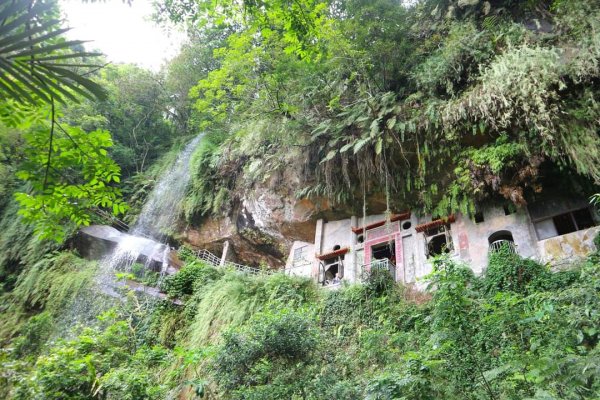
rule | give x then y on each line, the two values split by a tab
569	248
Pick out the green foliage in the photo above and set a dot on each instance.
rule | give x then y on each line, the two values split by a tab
231	300
134	112
50	283
67	171
19	247
53	281
38	64
33	335
270	342
189	279
464	49
99	363
144	275
446	103
208	193
276	337
379	281
507	271
55	198
438	105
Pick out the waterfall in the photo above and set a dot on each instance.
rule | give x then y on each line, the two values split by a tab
146	239
164	203
145	243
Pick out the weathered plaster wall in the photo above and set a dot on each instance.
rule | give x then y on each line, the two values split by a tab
471	239
369	219
336	233
568	248
303	266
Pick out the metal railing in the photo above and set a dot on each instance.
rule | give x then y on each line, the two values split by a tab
378	265
209	257
332	285
215	261
503	243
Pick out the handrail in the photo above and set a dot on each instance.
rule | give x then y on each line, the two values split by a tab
215	261
383	264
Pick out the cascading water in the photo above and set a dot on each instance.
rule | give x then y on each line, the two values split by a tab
145	241
164	203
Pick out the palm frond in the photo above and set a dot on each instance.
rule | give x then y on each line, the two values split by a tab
36	63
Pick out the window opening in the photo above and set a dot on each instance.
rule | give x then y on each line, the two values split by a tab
583	219
438	245
336	247
509	209
331	271
438	241
328	270
478	217
406	225
361	239
564	224
385	251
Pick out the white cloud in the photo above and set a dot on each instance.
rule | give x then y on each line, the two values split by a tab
123	33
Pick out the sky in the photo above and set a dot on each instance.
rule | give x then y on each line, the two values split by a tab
123	33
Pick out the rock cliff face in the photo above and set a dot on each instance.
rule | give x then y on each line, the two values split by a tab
261	226
266	219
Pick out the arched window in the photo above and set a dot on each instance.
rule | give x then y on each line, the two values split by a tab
336	247
500	239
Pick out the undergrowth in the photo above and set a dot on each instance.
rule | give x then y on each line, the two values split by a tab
519	331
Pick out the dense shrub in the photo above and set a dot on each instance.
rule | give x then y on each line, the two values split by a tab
507	271
270	343
33	334
100	363
277	337
193	275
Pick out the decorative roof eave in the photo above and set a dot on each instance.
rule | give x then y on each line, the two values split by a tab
393	218
435	224
333	254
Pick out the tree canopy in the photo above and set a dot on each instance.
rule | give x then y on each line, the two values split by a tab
442	103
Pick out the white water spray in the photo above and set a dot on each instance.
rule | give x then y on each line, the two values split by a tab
146	239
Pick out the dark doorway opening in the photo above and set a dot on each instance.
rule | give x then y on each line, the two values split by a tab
564	224
385	251
331	270
501	235
438	245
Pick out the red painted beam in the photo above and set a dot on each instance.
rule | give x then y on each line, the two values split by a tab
332	254
435	224
393	218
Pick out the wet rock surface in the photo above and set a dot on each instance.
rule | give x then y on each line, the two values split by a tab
98	241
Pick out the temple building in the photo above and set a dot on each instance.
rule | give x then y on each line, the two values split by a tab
555	231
